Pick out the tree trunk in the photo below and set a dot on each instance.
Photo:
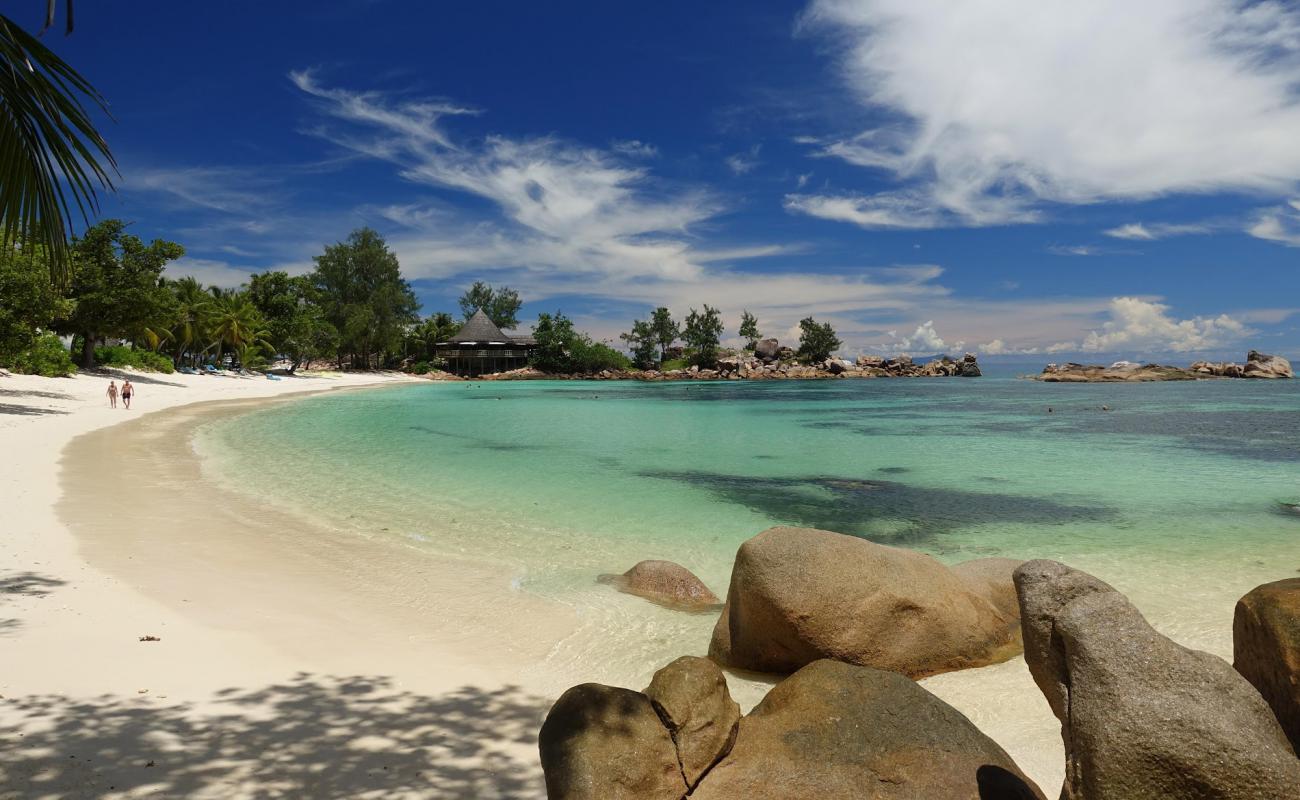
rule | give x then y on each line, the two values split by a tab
88	351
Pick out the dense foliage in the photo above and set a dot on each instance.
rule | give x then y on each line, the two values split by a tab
816	340
45	356
364	296
117	355
28	300
117	288
501	304
563	350
703	335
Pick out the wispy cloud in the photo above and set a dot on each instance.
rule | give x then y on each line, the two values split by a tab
999	107
1150	231
635	148
1280	224
1073	250
744	163
223	189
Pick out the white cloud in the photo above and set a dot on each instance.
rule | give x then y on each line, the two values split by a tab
635	148
1147	232
1138	325
1073	250
927	339
1000	105
209	272
1280	224
744	163
215	188
1133	231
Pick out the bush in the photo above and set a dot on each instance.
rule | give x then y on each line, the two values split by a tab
421	368
47	356
122	356
589	356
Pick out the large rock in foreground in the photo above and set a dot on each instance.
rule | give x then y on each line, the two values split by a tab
834	731
798	595
1259	365
665	583
694	703
1142	717
604	743
1266	649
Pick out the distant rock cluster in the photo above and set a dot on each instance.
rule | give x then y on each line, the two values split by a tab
1142	718
772	361
1258	365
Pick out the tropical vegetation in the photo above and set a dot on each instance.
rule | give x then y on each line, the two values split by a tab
564	350
500	304
816	340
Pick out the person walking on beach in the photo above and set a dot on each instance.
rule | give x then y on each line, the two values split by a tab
127	391
112	394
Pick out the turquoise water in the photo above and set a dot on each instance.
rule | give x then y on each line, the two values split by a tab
1176	494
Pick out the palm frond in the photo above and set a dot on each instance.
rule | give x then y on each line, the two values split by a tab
51	156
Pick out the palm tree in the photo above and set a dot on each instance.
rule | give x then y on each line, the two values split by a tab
51	156
236	323
193	309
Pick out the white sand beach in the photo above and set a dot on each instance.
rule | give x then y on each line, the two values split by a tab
276	671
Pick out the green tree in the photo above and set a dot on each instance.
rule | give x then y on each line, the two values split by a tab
643	343
703	334
816	340
54	159
665	330
117	286
425	336
29	302
555	337
501	305
562	350
360	287
189	324
295	322
235	325
749	330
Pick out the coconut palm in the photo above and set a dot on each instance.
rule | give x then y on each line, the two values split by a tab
51	156
235	323
193	309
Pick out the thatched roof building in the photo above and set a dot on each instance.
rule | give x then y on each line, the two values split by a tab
481	348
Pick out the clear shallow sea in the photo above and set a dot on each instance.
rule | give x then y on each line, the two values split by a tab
1175	495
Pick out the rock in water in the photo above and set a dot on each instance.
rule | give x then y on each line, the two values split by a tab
1142	717
798	595
692	699
835	731
1259	365
604	743
665	583
1266	649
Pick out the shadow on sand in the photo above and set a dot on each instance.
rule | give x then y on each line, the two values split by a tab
23	584
312	737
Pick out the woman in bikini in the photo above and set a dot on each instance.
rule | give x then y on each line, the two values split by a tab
112	394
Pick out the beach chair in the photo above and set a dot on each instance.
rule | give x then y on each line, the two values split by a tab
211	370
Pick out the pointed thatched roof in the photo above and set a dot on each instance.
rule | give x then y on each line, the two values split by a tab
479	329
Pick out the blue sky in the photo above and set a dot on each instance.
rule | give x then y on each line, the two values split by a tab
1044	179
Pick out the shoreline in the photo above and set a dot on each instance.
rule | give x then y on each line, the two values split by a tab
240	617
